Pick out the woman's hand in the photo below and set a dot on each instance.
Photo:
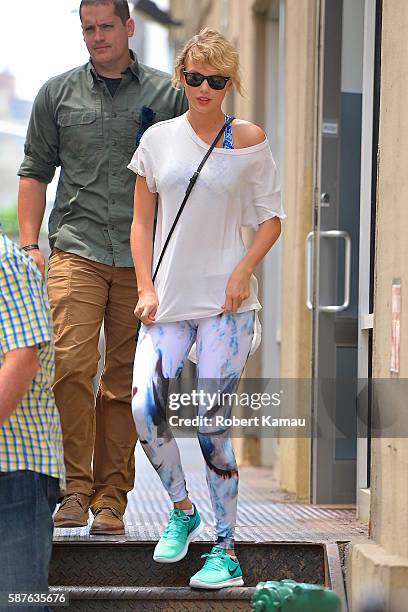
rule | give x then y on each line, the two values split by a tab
146	306
237	289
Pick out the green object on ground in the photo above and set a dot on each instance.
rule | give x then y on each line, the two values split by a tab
291	596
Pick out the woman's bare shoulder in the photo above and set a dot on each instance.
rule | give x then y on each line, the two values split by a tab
247	134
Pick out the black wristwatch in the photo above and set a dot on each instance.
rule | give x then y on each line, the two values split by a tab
31	247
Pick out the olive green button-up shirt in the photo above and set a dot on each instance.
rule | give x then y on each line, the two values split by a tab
76	124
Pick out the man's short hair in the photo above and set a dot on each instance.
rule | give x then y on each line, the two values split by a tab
120	7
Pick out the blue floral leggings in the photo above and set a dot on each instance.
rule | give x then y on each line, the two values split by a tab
223	343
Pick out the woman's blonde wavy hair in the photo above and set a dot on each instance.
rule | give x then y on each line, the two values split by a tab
209	47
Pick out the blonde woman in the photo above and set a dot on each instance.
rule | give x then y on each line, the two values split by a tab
205	291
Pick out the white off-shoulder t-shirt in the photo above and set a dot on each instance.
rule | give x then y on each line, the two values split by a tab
236	188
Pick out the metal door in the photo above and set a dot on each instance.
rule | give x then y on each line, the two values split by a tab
333	252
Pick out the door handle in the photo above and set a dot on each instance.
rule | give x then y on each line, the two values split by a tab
347	269
309	271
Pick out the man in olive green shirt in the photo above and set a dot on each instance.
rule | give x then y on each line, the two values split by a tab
89	121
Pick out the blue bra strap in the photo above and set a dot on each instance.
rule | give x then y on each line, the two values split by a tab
228	143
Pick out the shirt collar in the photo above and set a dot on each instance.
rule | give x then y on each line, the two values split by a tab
133	68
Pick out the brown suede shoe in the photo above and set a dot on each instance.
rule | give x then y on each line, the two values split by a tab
107	521
73	511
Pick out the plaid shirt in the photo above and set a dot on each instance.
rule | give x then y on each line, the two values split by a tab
31	438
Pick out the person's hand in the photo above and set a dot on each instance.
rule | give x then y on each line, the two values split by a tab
38	259
146	306
237	289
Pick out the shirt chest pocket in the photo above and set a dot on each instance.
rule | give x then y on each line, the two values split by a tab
136	123
80	132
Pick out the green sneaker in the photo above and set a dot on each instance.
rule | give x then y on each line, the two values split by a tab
219	570
179	532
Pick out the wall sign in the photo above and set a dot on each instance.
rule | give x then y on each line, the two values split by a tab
395	325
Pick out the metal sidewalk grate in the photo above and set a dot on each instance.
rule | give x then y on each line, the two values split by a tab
264	515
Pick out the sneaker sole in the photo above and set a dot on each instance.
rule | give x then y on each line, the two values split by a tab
233	582
184	551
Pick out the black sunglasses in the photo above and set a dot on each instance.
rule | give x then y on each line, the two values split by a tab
194	79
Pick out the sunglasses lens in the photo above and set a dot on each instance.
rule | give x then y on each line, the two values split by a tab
193	79
216	82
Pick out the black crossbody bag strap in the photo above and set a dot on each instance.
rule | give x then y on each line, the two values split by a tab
191	184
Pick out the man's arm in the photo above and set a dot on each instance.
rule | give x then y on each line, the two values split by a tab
16	374
38	168
31	207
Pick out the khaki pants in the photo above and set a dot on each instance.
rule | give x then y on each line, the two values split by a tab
83	294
